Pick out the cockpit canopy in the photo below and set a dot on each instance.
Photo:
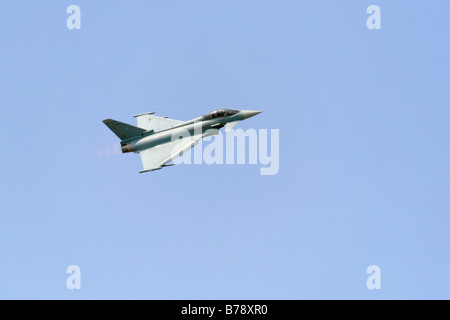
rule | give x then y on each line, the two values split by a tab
220	113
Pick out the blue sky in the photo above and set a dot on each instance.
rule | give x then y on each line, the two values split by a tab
364	150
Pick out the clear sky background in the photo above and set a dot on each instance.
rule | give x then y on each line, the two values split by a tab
364	173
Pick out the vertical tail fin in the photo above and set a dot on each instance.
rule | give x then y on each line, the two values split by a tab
122	130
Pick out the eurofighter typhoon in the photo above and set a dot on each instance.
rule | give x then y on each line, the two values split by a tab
159	140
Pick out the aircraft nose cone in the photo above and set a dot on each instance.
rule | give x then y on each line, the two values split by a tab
249	113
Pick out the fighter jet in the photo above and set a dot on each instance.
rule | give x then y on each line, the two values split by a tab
159	140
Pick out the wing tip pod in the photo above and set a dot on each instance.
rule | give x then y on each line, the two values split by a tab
150	170
143	114
156	169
